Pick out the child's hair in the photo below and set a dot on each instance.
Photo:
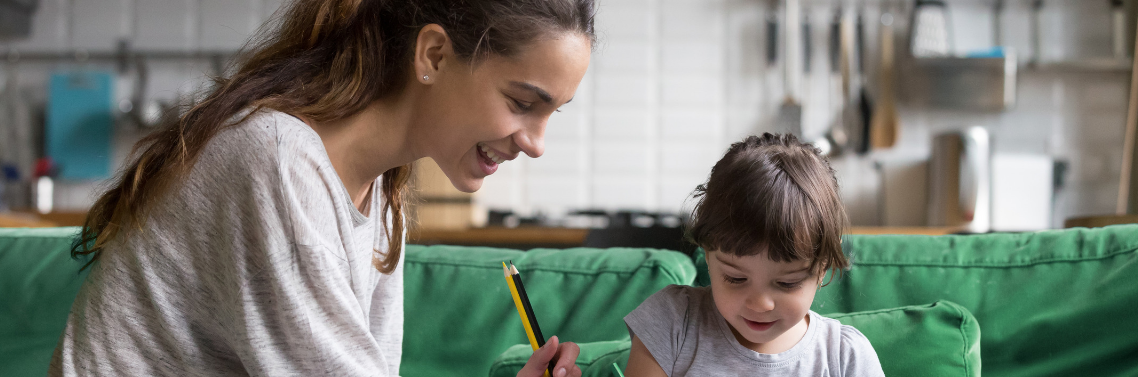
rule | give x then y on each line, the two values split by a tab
776	195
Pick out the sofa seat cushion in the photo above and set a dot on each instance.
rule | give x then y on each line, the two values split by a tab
938	339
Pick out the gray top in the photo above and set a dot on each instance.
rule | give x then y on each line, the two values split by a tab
687	336
257	264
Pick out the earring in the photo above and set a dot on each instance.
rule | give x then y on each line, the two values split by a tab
426	78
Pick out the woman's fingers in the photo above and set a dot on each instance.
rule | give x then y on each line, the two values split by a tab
539	361
566	360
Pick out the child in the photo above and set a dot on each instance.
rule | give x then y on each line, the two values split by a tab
771	221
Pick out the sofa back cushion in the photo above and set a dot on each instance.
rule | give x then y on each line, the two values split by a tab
38	282
460	315
1052	303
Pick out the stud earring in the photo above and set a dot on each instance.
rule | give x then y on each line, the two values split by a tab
426	78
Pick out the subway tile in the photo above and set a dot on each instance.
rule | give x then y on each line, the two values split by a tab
162	25
688	157
499	191
49	28
567	124
97	24
620	157
690	124
269	8
616	56
676	191
555	193
226	24
692	56
559	157
746	120
692	19
621	124
623	21
691	90
616	192
622	89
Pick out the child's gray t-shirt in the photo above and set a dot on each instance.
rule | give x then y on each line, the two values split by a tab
687	336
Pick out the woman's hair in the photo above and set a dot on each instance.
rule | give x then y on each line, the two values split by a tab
773	195
324	61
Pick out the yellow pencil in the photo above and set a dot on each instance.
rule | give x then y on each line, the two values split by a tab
521	310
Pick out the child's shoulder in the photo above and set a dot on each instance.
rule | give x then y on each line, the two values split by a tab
679	296
848	347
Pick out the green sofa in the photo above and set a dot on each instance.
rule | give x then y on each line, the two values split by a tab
1055	303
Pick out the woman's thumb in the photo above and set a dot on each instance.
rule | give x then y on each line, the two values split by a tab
540	360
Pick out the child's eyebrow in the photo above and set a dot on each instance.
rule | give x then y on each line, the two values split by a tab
803	269
727	263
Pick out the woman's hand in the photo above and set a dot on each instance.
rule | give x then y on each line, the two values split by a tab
563	357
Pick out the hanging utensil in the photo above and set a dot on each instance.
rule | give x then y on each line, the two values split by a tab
772	33
790	112
930	34
833	139
884	128
864	106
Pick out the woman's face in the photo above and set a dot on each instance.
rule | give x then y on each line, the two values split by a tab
764	302
475	117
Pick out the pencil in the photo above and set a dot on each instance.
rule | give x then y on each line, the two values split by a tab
520	306
526	304
513	279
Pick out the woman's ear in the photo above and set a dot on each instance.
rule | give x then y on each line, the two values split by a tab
432	51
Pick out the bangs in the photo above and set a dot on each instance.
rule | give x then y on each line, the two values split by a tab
772	199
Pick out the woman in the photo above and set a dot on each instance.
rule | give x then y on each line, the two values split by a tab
262	233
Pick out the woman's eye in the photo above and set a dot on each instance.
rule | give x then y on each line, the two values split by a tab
789	285
522	106
733	280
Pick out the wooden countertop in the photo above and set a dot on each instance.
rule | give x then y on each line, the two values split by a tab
488	235
500	235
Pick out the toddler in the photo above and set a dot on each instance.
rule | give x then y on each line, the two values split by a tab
770	219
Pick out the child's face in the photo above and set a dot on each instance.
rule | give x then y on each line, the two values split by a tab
765	302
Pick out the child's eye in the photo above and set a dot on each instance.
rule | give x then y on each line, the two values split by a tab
789	285
733	280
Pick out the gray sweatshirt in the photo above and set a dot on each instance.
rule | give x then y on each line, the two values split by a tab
257	264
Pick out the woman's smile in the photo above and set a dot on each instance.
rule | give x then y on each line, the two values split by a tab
489	158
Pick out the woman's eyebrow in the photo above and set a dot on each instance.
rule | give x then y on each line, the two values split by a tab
541	93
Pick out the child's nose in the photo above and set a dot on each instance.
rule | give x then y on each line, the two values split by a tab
760	302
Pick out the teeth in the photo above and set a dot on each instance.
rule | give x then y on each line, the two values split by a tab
490	153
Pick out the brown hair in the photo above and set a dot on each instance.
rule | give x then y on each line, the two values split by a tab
775	195
325	61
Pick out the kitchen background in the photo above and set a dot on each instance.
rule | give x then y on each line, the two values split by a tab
671	84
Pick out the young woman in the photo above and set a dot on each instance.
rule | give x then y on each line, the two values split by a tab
262	233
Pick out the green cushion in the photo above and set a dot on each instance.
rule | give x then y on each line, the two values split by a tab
1053	303
460	315
596	358
939	339
39	282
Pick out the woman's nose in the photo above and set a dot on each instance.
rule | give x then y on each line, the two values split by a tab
531	139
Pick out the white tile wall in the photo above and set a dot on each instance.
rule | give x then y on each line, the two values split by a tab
672	84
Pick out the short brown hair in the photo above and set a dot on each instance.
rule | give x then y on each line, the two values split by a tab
772	194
